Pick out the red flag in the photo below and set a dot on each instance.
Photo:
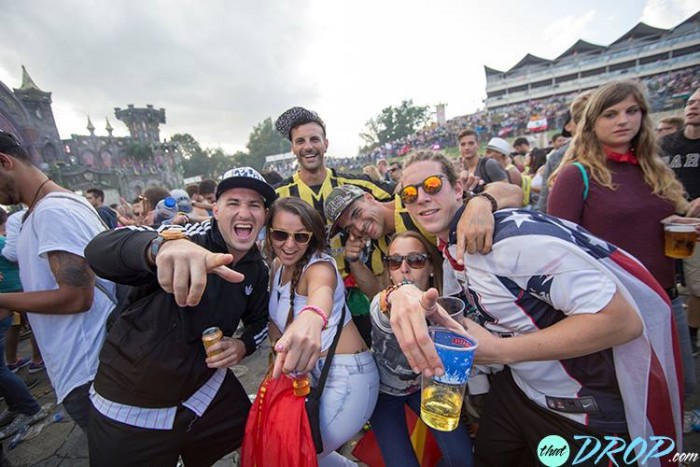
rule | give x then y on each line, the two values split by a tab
277	431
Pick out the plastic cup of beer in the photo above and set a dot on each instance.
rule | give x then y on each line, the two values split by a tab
679	240
441	396
211	336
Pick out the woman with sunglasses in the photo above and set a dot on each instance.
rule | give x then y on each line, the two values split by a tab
306	302
412	259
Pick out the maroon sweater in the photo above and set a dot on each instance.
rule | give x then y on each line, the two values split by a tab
628	217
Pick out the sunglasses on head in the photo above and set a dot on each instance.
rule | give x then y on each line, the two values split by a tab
414	260
431	186
281	235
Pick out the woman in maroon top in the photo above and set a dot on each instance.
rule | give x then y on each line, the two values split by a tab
630	189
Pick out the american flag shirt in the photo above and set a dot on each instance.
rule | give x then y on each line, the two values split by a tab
543	269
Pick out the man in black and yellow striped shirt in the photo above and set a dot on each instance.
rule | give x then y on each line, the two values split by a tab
314	181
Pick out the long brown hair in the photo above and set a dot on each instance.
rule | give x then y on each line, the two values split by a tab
313	222
586	148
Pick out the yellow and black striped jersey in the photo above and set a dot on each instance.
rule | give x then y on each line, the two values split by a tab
315	196
294	186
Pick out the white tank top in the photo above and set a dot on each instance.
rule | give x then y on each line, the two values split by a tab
279	301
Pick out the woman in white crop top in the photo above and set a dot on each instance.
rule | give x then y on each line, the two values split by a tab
305	287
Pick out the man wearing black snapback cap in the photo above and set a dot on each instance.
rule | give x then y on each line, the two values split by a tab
157	395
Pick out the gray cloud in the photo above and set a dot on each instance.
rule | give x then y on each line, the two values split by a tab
217	67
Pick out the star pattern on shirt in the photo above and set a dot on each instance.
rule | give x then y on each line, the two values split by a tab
518	218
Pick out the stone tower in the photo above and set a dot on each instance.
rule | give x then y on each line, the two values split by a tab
45	136
142	123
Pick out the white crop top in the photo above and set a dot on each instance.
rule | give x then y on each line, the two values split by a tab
279	302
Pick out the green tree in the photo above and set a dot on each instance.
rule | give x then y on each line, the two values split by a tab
189	147
209	163
219	162
394	123
263	141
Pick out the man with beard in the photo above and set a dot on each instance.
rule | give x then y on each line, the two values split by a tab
158	394
66	312
682	150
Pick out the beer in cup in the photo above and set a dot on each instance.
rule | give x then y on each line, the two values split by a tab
679	240
441	396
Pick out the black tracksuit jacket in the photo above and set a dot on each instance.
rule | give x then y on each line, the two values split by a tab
153	354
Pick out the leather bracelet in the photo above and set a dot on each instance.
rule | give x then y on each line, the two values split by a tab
319	312
492	200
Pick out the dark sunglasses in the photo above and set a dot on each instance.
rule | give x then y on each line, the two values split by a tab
394	169
280	235
431	186
414	260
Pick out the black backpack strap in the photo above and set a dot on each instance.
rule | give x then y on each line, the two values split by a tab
480	167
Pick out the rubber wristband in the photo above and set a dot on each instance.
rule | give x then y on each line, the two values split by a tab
319	312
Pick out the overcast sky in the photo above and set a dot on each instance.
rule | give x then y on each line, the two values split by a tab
219	67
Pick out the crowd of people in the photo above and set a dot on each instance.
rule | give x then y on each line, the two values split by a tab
558	256
666	91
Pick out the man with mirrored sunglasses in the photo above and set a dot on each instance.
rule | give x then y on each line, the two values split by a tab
585	331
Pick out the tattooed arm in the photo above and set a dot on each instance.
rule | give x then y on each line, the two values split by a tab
74	294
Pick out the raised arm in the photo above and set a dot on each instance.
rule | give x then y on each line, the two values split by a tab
300	345
574	336
475	228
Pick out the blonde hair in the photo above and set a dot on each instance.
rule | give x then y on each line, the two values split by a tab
586	149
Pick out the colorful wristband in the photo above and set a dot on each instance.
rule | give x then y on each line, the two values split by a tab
384	304
319	312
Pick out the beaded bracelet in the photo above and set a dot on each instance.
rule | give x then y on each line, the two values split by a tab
492	200
319	312
384	305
